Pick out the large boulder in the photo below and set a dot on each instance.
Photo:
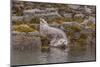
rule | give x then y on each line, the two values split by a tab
24	41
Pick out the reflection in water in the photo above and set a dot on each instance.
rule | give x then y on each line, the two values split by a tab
54	55
81	53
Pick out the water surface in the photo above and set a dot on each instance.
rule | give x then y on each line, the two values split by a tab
52	55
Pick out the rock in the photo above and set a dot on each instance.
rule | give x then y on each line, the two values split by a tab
88	10
67	15
91	20
25	41
47	12
36	34
23	28
74	6
78	34
79	15
17	18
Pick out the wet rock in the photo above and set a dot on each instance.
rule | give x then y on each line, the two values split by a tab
25	41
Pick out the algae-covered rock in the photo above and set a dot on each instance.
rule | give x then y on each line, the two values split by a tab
22	28
78	34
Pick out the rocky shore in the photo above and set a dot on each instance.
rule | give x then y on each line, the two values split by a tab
77	21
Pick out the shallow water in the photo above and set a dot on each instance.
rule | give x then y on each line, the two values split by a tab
53	55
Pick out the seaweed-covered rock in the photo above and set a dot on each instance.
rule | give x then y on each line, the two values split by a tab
22	28
78	34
